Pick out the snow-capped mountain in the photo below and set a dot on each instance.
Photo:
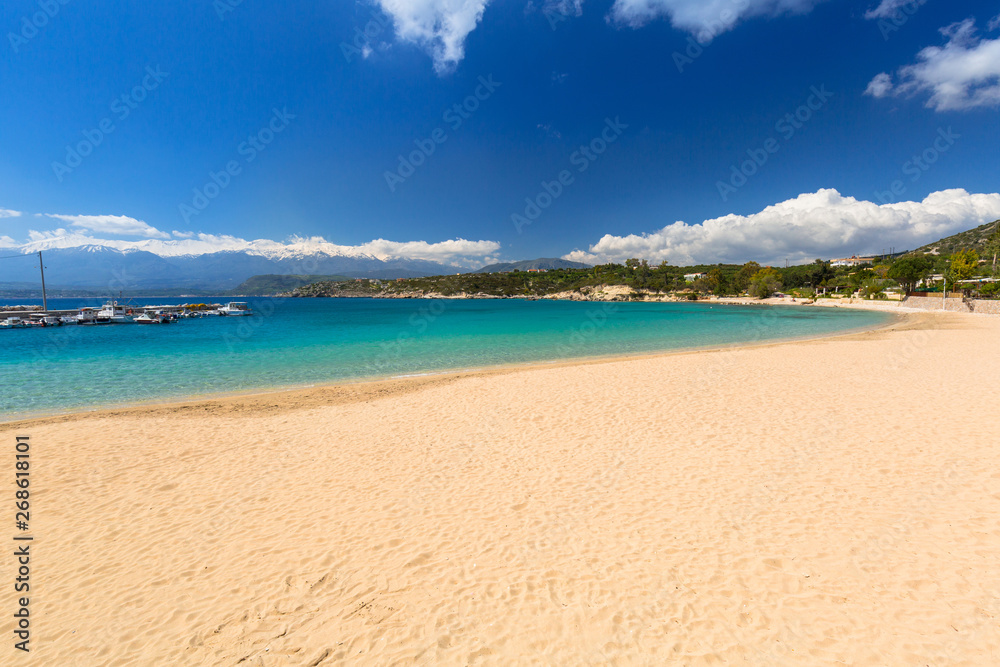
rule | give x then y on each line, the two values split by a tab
218	263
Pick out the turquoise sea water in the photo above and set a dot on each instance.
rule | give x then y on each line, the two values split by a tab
296	342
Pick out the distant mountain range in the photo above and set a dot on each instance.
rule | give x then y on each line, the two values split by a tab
543	263
254	267
110	270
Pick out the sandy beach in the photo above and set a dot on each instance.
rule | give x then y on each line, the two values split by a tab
833	501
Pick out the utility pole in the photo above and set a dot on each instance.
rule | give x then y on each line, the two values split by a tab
41	267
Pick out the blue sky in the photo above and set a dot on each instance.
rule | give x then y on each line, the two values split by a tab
309	119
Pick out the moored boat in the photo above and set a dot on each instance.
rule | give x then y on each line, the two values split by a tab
12	323
153	318
114	313
236	309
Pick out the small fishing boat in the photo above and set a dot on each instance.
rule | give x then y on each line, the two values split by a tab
87	316
236	309
12	323
153	318
113	313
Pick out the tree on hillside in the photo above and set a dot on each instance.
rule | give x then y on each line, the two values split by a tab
908	271
964	265
822	272
764	283
741	281
993	246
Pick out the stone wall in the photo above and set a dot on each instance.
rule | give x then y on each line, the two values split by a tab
935	303
987	306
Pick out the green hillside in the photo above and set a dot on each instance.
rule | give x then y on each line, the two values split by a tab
973	239
272	283
542	264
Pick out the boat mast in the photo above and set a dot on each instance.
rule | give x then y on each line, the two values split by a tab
41	267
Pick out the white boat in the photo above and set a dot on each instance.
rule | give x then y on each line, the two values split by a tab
12	323
113	313
86	316
71	319
236	309
152	318
43	320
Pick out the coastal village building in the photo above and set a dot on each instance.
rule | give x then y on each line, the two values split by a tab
691	277
853	260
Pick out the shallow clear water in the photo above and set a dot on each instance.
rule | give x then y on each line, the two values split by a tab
293	342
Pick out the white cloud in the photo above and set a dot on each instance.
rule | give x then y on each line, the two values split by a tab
704	18
820	224
994	23
564	8
880	86
8	242
889	8
7	213
448	252
963	74
119	225
182	235
440	26
456	252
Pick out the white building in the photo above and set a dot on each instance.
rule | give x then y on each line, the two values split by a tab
853	260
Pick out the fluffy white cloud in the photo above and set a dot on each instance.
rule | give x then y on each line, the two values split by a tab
963	74
994	23
440	26
182	235
7	242
889	8
7	213
119	225
704	18
456	252
820	224
880	86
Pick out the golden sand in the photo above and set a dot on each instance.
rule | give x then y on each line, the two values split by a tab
820	502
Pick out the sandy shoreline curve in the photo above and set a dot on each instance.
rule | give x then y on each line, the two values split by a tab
825	501
269	399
